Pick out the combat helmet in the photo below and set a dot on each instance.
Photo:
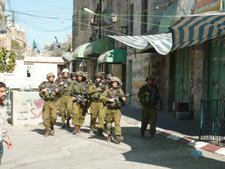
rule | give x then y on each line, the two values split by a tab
65	70
80	73
116	79
49	75
99	74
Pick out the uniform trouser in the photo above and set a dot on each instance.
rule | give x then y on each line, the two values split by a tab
65	107
49	114
79	112
149	114
113	115
97	111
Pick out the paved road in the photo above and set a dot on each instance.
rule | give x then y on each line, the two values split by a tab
66	151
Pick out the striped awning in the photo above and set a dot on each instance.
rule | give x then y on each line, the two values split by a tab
161	42
79	52
196	29
187	31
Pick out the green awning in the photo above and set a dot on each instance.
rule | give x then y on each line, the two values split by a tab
98	47
68	56
113	56
79	52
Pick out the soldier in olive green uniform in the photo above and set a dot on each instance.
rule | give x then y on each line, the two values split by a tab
149	98
65	101
79	93
60	76
73	76
97	108
113	99
49	92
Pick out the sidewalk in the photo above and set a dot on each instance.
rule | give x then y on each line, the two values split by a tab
184	131
189	128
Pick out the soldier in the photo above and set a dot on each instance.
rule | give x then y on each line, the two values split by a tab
73	76
79	93
149	98
114	99
65	101
60	76
49	92
97	108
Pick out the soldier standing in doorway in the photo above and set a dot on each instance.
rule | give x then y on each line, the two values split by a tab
149	98
114	99
49	92
97	108
65	101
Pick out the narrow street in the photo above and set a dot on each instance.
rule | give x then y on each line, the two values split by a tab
64	150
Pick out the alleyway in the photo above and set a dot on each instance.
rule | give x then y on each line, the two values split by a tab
66	151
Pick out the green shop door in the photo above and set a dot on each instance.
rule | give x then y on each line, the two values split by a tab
216	87
182	75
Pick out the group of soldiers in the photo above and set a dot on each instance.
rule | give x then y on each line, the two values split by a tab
74	96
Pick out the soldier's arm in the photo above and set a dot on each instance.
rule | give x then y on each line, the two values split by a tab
105	97
141	92
122	95
92	89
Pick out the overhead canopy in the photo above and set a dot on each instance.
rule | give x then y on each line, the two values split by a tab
161	42
99	46
79	52
113	56
187	31
68	56
196	29
88	50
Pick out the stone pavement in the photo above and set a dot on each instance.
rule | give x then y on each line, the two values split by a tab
66	151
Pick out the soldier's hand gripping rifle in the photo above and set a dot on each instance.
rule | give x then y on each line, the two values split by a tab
119	101
79	99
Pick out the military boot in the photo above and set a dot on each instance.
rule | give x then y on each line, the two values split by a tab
52	130
75	130
100	132
68	122
78	129
109	138
63	125
47	133
118	139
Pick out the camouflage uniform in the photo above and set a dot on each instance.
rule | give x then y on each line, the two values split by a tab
149	111
113	113
50	98
65	101
79	109
97	108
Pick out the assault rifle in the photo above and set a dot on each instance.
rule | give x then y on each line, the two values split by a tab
52	88
65	81
119	101
79	99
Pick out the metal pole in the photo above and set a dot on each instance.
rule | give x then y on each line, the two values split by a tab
100	21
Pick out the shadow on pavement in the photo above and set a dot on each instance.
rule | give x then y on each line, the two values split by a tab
39	131
165	121
163	152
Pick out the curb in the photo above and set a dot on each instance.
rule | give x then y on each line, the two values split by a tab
191	142
183	139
